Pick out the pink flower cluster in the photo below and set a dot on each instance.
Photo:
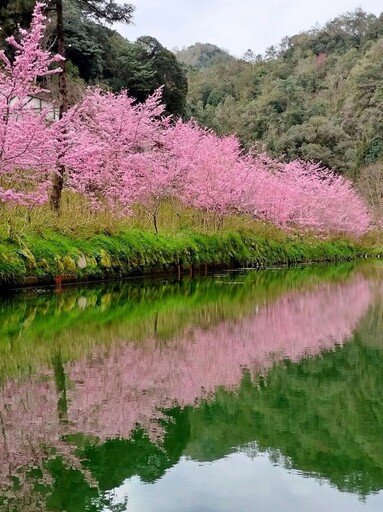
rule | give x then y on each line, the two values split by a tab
121	153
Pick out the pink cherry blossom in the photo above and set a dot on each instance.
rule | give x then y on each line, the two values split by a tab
27	153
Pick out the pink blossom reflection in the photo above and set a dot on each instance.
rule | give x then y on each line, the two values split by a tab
114	389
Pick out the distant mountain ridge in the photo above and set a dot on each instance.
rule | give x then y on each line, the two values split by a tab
202	55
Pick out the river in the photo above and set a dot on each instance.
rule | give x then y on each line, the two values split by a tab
240	391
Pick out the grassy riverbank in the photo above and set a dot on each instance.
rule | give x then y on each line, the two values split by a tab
51	256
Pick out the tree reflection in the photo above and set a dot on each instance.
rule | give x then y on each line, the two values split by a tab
276	375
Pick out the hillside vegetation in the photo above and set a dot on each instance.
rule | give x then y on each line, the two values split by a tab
317	95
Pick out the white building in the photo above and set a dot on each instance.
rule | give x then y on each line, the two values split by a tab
42	101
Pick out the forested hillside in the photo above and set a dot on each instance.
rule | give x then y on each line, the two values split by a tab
317	96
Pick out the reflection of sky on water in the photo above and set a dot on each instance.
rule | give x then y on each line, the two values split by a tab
239	483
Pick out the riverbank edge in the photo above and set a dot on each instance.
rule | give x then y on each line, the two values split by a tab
56	258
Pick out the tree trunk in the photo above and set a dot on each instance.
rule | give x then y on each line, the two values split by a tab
60	381
155	222
58	177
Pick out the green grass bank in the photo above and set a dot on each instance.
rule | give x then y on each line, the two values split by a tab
55	257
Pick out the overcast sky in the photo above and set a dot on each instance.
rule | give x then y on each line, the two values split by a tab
235	25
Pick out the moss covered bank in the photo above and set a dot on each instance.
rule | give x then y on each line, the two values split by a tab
56	258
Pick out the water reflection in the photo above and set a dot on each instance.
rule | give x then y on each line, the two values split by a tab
284	365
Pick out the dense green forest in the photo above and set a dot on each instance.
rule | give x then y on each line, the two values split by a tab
317	95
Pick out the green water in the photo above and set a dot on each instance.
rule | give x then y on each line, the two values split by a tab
241	391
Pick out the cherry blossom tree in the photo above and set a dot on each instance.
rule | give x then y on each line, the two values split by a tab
214	171
26	143
304	195
318	199
119	153
110	141
211	173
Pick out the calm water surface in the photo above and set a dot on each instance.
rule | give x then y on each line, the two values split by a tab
243	391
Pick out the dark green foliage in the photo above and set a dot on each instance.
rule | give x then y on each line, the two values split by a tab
146	65
107	10
101	56
86	44
114	461
104	57
12	14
